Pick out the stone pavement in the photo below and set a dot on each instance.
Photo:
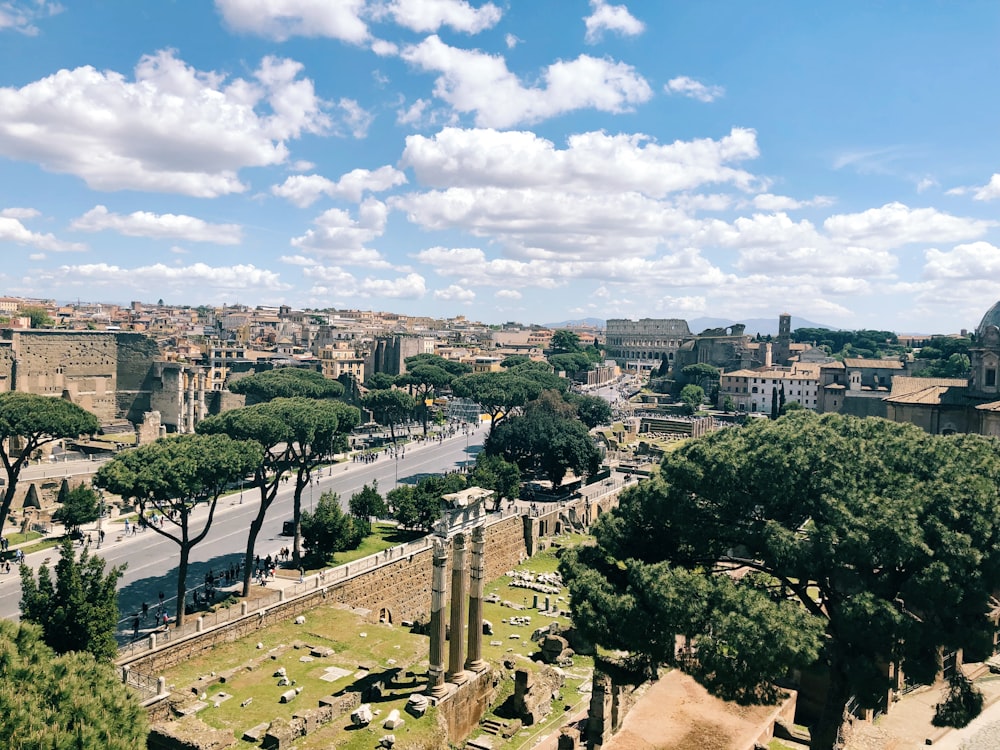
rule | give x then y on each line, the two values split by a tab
908	725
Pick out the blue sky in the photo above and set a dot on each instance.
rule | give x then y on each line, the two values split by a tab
519	160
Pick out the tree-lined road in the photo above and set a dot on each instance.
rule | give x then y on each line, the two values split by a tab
152	559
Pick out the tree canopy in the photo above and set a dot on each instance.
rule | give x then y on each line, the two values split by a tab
35	421
286	382
498	393
884	538
565	340
171	477
389	407
78	611
267	424
547	440
69	701
80	505
427	376
329	530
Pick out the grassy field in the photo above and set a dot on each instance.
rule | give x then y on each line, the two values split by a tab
363	654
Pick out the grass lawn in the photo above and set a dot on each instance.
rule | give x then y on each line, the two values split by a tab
16	537
365	652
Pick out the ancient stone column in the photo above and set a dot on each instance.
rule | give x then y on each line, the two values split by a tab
456	668
435	672
474	662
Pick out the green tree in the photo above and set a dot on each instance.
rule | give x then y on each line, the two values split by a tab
546	442
365	505
453	368
693	397
426	379
328	530
515	359
701	374
402	505
380	381
68	701
572	363
80	505
790	406
28	422
286	382
885	538
495	473
774	402
172	477
268	425
498	393
592	410
38	316
318	427
389	408
565	341
541	373
79	610
728	405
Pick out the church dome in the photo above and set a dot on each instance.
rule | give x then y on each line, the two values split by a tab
991	318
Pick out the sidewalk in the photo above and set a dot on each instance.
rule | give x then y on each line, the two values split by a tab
908	725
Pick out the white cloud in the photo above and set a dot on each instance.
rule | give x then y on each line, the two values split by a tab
593	161
822	261
12	230
989	191
455	293
20	15
173	129
339	236
301	165
356	118
304	190
679	306
470	268
511	41
20	213
693	89
926	183
413	114
770	202
157	278
158	226
511	294
345	282
411	286
895	224
37	256
382	48
425	16
614	18
281	19
969	262
473	81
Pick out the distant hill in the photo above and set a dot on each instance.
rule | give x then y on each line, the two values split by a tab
581	323
763	326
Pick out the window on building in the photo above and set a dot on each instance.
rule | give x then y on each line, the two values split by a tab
991	377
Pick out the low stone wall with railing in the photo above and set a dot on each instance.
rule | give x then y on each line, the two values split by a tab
392	586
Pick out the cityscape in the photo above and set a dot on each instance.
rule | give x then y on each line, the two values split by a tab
430	374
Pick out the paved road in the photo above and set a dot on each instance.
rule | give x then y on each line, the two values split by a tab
152	560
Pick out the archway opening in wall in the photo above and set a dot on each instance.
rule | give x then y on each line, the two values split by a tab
385	616
598	511
948	431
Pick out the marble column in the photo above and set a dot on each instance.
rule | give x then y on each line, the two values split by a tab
435	672
474	662
456	669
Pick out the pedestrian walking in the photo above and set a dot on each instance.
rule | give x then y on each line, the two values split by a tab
135	627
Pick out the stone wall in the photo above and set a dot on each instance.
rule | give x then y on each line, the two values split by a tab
136	354
83	365
465	706
401	590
